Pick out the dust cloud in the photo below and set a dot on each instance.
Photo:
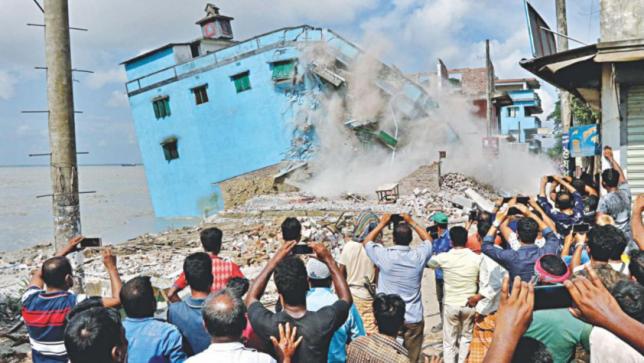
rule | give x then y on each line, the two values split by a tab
344	164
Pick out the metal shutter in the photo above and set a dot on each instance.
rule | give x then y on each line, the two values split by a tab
635	132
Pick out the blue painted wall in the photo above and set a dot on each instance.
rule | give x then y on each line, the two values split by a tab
234	133
522	100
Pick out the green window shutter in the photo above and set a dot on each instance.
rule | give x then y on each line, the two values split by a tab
166	104
157	111
283	70
242	82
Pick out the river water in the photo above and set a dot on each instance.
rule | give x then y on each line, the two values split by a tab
119	210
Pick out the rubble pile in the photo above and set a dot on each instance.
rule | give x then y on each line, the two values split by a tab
251	237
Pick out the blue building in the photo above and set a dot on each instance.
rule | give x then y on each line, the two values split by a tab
213	109
517	119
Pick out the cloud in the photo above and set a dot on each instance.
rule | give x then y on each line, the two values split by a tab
548	97
118	99
7	85
99	79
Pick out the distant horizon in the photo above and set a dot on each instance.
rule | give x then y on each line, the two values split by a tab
42	165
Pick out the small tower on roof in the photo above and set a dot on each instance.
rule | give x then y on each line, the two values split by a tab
215	25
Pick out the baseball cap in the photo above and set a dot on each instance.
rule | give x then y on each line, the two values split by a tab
317	270
440	218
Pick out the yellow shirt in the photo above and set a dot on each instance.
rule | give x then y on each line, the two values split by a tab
460	273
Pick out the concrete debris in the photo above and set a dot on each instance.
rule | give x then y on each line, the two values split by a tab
251	237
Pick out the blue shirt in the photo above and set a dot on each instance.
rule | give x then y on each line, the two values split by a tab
521	262
153	341
563	221
440	245
319	297
186	315
401	272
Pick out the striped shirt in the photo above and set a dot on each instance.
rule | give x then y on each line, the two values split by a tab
44	315
222	271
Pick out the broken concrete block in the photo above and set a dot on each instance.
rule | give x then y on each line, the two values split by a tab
461	201
483	203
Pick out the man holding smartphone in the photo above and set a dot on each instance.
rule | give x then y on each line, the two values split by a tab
400	272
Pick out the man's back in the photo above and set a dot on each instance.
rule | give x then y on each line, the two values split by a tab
560	332
316	328
151	340
319	297
460	272
618	205
230	352
377	348
44	315
186	315
358	266
401	272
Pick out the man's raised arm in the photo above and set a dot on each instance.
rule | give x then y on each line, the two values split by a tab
422	232
109	261
636	221
259	285
384	220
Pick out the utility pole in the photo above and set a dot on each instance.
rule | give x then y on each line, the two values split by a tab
489	91
62	134
565	97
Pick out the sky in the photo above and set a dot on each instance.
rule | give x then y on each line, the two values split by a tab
410	34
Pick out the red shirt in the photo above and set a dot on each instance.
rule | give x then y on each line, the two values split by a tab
222	271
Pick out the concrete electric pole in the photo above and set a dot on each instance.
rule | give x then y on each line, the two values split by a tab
489	90
565	97
62	134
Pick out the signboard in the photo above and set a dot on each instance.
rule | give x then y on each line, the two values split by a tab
565	154
584	141
542	41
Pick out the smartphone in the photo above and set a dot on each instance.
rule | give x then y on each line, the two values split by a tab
581	228
523	200
551	297
551	178
507	200
90	242
433	231
302	249
514	211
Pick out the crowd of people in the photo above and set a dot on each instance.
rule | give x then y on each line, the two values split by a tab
549	278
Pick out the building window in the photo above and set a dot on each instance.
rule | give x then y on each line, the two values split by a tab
513	112
283	70
170	149
242	81
201	94
161	107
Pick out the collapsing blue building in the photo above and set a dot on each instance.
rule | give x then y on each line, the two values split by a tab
213	109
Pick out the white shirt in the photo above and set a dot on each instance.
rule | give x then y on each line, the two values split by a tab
230	352
607	347
490	282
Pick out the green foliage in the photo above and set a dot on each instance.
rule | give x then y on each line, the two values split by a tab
582	114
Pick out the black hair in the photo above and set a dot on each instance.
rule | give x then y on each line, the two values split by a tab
579	185
604	241
610	178
389	312
442	225
137	298
211	239
291	229
564	200
636	266
530	350
403	234
483	228
527	230
630	297
221	321
554	265
320	282
90	302
458	236
619	247
54	271
484	216
238	286
198	270
91	335
291	281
